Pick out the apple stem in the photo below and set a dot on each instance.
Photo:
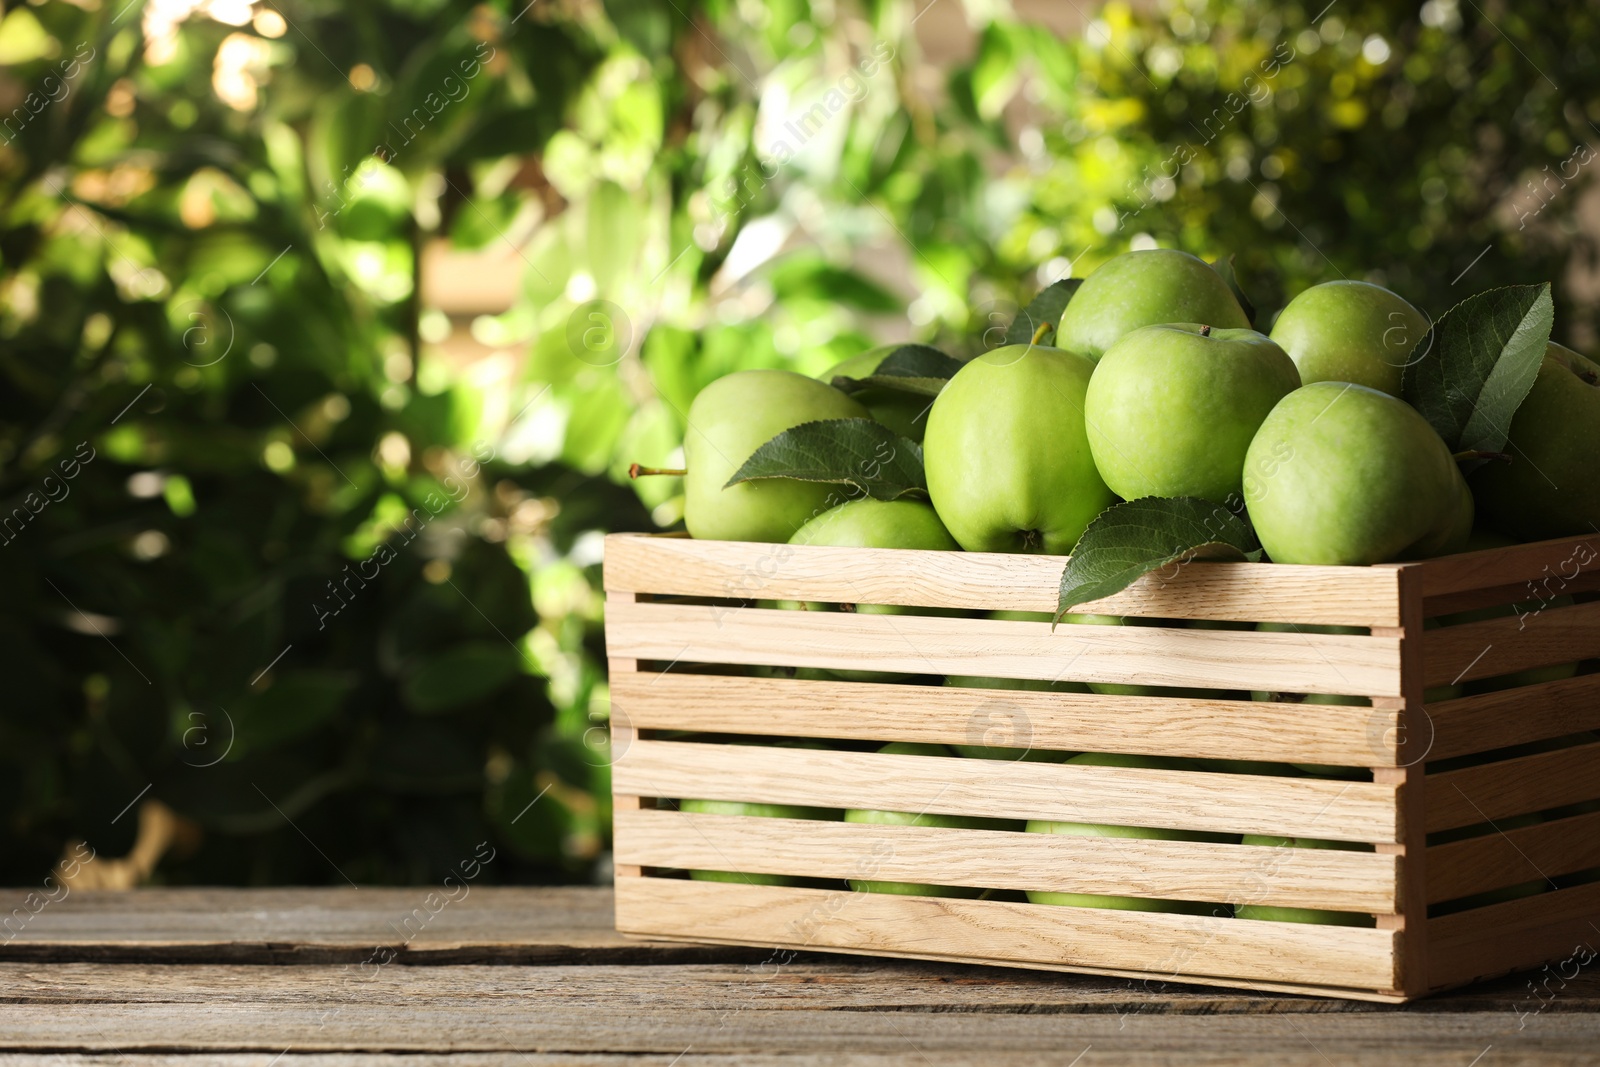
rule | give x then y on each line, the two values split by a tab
1038	335
636	471
1474	453
1205	331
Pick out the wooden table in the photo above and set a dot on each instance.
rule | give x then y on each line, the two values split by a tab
532	976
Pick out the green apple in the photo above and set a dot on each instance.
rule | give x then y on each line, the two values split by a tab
1343	474
904	413
869	523
908	818
1007	455
1302	915
728	421
1349	331
765	811
1171	409
1244	766
1145	288
1550	488
1146	833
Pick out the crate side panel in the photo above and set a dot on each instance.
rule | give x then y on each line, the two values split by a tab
1174	947
1514	716
1486	942
1511	857
1543	564
1213	659
1118	796
990	581
1529	596
1519	786
1336	734
992	859
1556	635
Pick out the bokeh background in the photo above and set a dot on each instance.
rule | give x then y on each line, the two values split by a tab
328	332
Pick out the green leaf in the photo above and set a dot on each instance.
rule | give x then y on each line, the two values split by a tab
810	276
1044	308
859	452
1230	274
996	72
1128	540
919	369
470	671
1473	369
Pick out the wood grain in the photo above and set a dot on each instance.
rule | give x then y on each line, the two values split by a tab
987	859
916	644
1494	647
1530	595
1192	946
806	1011
1118	796
1410	924
1511	857
344	926
1485	942
1058	722
991	581
756	1006
1514	716
1490	568
1513	787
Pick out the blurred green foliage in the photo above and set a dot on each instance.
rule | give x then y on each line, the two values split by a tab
333	593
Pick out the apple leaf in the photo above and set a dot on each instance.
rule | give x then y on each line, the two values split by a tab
1230	274
859	452
1473	369
1044	308
919	369
1130	539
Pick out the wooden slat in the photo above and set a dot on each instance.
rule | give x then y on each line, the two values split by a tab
1119	796
1485	942
1338	734
1218	659
1189	947
1506	566
1511	857
988	859
1410	925
1514	716
1513	787
1534	596
1500	646
990	581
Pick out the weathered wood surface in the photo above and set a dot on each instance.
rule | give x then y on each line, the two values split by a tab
537	976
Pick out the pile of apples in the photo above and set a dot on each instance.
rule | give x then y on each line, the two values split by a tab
1157	386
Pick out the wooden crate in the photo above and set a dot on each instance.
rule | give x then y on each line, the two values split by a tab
694	630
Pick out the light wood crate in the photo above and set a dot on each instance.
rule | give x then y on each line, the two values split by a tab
683	621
